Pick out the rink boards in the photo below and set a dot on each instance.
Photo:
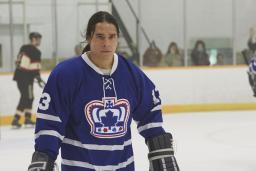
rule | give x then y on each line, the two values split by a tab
190	89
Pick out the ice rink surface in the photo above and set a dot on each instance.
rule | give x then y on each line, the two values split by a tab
213	141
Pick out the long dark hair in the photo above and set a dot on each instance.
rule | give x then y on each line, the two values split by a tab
173	44
198	42
98	17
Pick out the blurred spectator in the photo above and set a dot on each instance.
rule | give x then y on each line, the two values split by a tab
220	59
252	40
173	56
78	49
199	55
152	55
248	53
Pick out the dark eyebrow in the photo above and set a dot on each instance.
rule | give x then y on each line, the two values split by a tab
99	34
114	34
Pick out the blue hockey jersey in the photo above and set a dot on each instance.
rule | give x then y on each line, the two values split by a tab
88	114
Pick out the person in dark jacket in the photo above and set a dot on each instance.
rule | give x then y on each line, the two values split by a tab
199	55
28	65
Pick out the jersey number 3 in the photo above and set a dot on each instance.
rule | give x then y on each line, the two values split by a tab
45	101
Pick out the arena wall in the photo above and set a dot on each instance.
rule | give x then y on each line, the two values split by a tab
189	89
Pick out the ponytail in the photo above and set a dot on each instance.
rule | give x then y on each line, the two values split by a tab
86	48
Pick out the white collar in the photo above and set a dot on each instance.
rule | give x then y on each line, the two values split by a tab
97	69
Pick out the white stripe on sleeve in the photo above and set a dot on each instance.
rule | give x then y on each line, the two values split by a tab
48	117
148	126
50	133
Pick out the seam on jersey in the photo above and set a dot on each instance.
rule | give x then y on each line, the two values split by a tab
48	117
97	167
50	133
149	126
96	146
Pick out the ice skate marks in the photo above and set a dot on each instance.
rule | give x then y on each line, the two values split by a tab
108	118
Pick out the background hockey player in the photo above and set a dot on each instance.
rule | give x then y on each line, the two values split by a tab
252	74
28	65
87	107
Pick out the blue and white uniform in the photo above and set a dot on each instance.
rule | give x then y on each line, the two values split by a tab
88	114
252	74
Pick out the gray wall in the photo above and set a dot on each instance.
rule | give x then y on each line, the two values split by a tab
72	18
163	20
220	21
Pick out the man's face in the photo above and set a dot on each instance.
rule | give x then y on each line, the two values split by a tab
36	41
103	42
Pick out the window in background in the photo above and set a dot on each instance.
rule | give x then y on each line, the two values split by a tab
210	22
163	20
245	28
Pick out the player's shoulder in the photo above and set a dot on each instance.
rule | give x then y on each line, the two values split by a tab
68	68
66	76
26	47
29	48
135	70
70	62
132	67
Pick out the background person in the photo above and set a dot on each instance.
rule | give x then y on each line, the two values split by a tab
252	74
28	65
199	55
173	56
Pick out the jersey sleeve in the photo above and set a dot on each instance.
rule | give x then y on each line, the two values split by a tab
53	113
21	51
148	113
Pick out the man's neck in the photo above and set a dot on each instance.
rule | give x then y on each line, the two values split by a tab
103	63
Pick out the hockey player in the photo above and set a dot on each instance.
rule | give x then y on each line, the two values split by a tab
87	107
252	74
28	65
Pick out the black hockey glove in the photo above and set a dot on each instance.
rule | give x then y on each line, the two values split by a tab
41	162
161	154
40	81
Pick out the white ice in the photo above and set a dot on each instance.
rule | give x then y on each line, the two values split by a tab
213	141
